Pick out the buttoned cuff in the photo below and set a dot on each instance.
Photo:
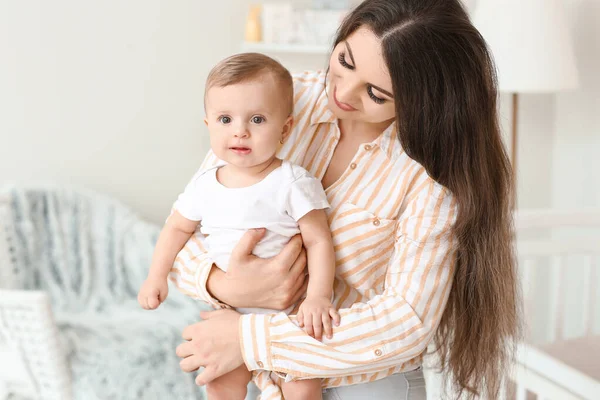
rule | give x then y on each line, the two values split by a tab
201	278
255	342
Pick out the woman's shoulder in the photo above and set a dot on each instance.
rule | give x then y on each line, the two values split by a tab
309	93
309	77
310	83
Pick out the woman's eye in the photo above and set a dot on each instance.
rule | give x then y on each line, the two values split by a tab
342	60
258	120
376	99
224	119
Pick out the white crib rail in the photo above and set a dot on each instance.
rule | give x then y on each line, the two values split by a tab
557	256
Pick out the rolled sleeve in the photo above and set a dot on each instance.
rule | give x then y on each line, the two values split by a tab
389	329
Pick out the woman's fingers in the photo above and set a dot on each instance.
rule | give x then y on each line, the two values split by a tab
327	326
299	266
247	243
299	292
184	350
289	254
300	318
206	376
190	364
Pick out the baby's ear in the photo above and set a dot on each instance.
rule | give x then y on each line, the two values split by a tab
287	127
205	121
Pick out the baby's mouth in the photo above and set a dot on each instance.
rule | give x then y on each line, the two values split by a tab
240	149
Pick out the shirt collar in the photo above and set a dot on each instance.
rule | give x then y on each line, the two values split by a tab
324	115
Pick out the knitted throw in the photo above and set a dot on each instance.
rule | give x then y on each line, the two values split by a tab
90	254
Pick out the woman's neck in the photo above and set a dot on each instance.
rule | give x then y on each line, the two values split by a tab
363	132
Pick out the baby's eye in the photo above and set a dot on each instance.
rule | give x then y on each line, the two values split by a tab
258	119
224	119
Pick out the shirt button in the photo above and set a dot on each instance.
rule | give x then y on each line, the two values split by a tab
260	364
368	147
378	353
353	165
376	222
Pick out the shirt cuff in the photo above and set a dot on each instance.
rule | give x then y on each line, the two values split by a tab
255	341
201	279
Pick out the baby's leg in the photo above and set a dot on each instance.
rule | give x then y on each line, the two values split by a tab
306	389
231	386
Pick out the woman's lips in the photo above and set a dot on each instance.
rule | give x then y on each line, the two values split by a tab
343	106
241	150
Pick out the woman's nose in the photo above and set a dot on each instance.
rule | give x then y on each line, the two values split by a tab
347	89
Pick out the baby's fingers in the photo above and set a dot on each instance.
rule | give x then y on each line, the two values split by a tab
308	326
327	326
317	325
300	318
335	316
153	299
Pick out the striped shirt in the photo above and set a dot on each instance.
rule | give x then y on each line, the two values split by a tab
391	226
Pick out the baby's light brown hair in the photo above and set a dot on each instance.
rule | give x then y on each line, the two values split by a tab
245	67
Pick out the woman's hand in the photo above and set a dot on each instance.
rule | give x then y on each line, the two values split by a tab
213	343
250	281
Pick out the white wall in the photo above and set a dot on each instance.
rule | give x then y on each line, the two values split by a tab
576	162
108	94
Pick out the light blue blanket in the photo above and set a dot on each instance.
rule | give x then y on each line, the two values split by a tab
91	253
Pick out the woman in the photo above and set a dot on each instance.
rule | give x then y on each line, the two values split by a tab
403	133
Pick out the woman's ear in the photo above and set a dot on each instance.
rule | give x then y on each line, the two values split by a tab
287	128
205	121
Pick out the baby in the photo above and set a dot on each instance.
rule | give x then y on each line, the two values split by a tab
248	105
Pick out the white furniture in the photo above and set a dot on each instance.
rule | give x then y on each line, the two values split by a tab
32	361
559	261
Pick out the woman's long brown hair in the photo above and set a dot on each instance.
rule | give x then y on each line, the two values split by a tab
445	93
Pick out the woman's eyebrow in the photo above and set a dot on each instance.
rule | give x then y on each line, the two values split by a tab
354	63
382	91
349	51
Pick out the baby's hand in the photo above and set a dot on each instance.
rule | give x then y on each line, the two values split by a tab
152	293
315	314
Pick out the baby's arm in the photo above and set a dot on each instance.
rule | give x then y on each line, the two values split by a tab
173	236
316	311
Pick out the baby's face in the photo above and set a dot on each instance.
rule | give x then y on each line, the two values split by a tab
246	121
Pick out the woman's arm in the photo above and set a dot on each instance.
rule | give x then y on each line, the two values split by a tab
385	331
380	334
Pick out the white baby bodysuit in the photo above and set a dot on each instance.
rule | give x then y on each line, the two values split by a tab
276	203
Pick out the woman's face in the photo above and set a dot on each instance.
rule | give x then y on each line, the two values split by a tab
360	87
